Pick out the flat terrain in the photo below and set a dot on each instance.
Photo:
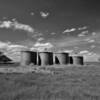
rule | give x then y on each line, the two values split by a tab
66	83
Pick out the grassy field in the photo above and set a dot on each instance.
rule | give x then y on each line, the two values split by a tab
70	83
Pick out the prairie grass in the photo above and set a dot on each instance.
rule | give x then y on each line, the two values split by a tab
67	83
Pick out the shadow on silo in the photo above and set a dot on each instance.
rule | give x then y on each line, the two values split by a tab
78	60
45	58
56	60
34	58
61	58
28	57
70	60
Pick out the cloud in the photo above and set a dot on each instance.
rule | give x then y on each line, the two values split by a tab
13	19
68	42
94	33
68	51
73	41
32	13
15	47
2	45
48	45
69	30
36	34
84	52
44	15
42	46
16	26
8	46
89	40
40	39
92	46
82	34
89	56
12	50
82	28
53	33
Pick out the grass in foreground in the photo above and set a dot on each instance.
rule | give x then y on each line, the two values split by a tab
70	83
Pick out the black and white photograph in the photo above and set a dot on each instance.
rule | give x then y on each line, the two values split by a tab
49	49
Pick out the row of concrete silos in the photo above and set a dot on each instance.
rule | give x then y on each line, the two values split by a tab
28	57
49	58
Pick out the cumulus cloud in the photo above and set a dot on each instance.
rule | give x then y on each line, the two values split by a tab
53	33
13	19
36	34
92	46
32	13
16	47
68	51
89	40
82	28
44	14
68	42
16	26
82	34
4	45
9	46
69	30
48	45
94	33
12	50
89	56
42	46
84	52
40	39
87	53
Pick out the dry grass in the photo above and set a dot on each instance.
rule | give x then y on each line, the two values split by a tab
70	83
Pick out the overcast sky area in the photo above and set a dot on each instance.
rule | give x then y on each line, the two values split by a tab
72	24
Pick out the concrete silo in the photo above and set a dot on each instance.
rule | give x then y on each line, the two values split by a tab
28	57
78	60
34	58
70	60
45	58
61	58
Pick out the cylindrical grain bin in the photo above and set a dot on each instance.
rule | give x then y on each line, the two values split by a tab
28	57
34	58
61	58
25	58
78	60
70	60
45	58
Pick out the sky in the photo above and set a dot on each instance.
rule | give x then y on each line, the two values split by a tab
72	24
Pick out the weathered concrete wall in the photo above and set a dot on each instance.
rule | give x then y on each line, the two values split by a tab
28	57
78	60
45	58
61	58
